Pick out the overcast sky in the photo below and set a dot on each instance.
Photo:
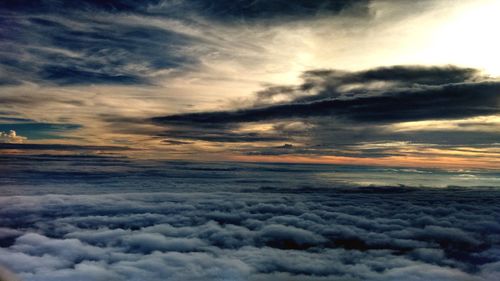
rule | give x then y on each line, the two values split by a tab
410	83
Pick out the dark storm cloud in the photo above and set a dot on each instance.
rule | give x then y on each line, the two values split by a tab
367	233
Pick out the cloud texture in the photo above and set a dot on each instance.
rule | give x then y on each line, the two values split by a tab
234	223
404	93
329	235
379	112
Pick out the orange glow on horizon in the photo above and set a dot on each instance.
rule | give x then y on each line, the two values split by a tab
395	161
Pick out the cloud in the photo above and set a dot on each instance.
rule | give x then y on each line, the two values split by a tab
247	10
39	245
149	242
352	114
87	49
216	135
460	101
216	10
38	130
421	94
11	137
238	230
77	64
57	43
352	233
289	237
61	147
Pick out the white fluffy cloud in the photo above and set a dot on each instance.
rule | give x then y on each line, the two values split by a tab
11	137
341	234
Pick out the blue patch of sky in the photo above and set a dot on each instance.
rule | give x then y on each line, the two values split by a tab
39	131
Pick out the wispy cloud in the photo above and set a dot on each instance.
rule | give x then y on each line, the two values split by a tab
84	50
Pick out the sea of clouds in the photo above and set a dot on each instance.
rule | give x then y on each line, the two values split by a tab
356	233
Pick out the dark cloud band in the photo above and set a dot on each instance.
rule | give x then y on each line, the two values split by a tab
440	102
216	9
338	112
59	147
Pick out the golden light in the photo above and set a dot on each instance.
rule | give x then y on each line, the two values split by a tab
468	38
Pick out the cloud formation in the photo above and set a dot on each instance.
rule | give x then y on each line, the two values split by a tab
98	73
248	10
11	137
419	93
59	43
86	51
460	101
218	9
374	113
331	234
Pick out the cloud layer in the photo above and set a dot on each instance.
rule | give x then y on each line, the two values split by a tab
379	112
112	218
332	234
403	94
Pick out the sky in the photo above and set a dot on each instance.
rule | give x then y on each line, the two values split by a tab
186	140
384	83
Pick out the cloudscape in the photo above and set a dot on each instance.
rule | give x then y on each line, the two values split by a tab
249	140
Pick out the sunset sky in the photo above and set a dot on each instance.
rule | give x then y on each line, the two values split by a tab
249	140
392	83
